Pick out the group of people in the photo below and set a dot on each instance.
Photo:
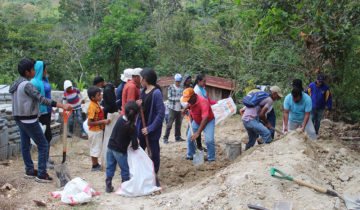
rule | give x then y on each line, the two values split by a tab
139	102
302	109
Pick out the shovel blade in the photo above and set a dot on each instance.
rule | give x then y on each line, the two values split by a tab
62	174
198	157
351	202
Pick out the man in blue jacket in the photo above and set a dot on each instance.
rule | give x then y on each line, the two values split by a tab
321	98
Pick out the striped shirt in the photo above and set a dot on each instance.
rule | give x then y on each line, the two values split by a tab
73	98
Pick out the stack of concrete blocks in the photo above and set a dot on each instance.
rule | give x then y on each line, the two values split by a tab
4	136
13	135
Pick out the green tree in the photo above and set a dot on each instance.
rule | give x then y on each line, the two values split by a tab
119	42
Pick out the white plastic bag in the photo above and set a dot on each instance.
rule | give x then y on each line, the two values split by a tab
223	109
113	117
76	191
142	175
86	127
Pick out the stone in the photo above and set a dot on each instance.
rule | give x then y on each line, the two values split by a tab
344	177
343	152
261	197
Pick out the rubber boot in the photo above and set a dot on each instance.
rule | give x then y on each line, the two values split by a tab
109	187
157	181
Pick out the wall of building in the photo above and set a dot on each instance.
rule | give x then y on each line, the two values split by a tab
214	93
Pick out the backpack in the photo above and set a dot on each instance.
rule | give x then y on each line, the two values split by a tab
253	99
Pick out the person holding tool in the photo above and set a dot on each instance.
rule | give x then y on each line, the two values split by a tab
251	115
149	123
203	120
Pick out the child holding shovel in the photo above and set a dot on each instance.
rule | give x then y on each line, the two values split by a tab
122	135
96	123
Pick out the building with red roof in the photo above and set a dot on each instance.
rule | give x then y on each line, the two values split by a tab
217	87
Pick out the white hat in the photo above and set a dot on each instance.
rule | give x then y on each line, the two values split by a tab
67	84
126	76
277	90
136	72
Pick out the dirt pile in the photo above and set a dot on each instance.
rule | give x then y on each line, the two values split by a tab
339	129
223	184
248	180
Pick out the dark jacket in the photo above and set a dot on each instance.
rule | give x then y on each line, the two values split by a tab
119	140
155	120
320	96
119	91
109	99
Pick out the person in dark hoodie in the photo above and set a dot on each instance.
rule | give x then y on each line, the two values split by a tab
25	100
186	82
109	97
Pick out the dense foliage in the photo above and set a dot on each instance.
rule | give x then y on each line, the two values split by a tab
250	41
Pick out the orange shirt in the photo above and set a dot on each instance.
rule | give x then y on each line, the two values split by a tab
95	113
131	92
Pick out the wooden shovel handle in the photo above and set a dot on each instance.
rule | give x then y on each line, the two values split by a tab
319	189
189	119
144	126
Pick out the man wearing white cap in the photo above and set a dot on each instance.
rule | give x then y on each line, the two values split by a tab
125	77
174	105
73	97
131	90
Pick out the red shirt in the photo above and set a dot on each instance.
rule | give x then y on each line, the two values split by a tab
131	92
201	109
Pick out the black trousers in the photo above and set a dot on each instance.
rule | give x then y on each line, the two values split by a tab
45	119
177	117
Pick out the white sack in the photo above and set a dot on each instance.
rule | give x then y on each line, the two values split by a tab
113	117
76	191
223	109
142	175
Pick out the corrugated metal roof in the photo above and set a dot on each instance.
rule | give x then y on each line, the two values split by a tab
218	82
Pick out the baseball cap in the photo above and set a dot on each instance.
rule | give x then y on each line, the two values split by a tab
177	78
187	93
67	84
320	78
136	72
276	89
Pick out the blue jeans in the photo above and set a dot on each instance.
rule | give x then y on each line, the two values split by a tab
34	131
209	140
271	117
316	115
79	119
255	128
113	157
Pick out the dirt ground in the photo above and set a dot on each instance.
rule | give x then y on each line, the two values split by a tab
224	184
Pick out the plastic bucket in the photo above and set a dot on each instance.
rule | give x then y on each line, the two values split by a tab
232	150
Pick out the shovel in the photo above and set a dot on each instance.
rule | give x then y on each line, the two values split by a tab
350	202
144	126
198	157
61	170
